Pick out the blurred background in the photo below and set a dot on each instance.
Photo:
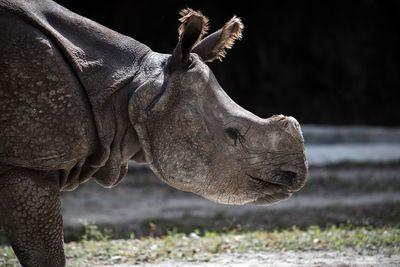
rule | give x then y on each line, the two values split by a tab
333	65
329	62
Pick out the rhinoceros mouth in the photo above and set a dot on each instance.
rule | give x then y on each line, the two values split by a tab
268	184
274	191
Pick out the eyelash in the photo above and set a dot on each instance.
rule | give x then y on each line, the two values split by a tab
235	135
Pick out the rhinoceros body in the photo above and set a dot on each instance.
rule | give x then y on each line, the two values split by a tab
78	101
58	84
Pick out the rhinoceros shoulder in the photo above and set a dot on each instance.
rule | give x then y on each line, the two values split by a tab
45	116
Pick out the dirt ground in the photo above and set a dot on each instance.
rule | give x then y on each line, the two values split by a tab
287	259
344	193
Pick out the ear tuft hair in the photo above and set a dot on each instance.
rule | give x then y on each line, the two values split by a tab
214	46
186	14
231	32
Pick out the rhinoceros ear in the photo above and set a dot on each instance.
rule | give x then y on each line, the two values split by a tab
213	46
193	26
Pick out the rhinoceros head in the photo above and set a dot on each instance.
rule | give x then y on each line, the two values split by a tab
197	139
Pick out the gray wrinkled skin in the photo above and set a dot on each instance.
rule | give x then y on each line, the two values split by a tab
78	101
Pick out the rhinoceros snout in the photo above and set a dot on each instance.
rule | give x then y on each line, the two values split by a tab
283	166
289	125
280	186
293	171
293	180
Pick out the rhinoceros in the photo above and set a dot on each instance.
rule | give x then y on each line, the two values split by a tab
78	101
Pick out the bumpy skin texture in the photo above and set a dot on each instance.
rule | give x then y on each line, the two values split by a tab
65	83
41	96
62	80
30	212
78	100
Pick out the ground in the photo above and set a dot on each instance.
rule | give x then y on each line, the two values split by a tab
314	246
348	214
286	259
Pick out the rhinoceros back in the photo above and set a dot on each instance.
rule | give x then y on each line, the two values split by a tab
45	116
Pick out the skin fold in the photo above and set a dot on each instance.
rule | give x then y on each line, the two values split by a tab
78	101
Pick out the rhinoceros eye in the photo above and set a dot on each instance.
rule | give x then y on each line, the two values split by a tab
235	135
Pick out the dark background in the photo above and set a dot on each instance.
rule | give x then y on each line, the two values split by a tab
323	62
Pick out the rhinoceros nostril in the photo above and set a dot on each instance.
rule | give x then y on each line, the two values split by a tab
288	178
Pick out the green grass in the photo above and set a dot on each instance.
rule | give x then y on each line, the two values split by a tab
376	215
96	248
